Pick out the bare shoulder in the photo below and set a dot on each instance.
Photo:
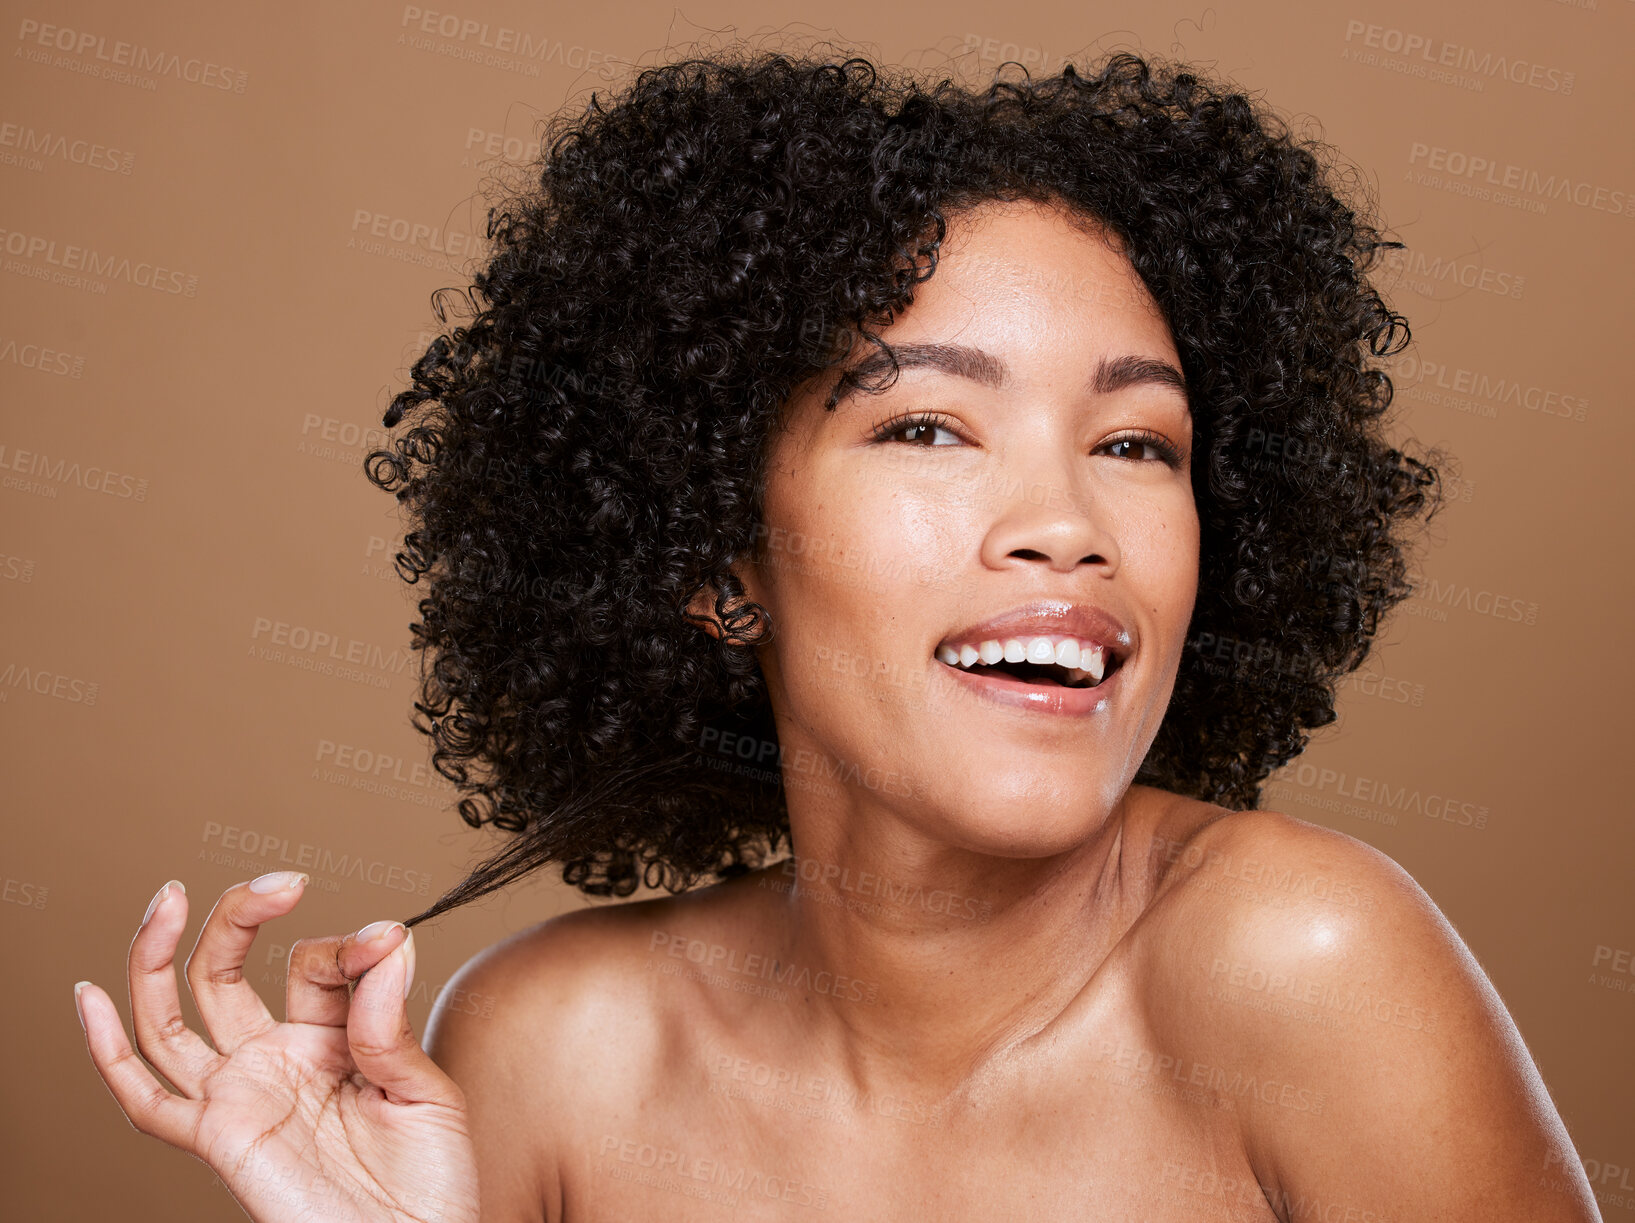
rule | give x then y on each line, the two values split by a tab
575	972
1371	1064
537	1027
1264	889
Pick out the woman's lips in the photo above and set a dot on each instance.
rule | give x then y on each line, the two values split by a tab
999	688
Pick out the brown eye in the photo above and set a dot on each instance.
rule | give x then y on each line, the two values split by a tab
919	433
1156	448
927	435
1127	441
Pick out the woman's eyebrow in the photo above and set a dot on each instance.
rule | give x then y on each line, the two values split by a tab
962	361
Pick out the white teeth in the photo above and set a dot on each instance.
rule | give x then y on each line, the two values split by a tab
1084	661
1092	663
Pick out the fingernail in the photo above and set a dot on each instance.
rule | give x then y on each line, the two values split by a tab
79	985
274	880
407	951
158	899
374	930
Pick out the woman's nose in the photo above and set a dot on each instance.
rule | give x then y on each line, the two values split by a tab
1050	525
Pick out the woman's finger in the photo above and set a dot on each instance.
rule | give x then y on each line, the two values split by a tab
171	1047
382	1043
321	971
231	1009
146	1104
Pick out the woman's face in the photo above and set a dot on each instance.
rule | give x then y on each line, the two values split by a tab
1010	494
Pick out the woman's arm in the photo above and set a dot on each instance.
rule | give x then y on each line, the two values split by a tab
336	1112
523	1028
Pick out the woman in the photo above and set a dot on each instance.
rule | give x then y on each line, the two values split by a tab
979	495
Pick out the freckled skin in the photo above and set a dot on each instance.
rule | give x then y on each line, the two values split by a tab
1018	985
1003	981
1000	981
1023	508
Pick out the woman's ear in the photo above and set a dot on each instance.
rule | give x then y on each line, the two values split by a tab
701	610
737	618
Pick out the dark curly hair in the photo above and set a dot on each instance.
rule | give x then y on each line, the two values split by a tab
587	453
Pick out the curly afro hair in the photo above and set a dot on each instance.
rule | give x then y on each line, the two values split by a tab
588	452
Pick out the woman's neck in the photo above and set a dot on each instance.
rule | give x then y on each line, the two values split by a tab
919	961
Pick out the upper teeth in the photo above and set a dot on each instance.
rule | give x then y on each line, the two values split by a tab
1079	658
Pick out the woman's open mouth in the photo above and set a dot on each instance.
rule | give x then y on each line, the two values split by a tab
1051	661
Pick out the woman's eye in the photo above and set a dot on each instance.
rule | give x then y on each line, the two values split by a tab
1121	449
923	433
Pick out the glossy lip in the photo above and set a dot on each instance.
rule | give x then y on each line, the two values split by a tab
1050	618
1045	618
997	688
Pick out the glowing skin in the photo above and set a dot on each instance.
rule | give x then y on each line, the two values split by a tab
1020	495
1000	981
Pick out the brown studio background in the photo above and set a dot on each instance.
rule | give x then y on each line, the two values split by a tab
183	424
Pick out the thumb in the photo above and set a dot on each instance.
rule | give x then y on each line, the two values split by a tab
382	1044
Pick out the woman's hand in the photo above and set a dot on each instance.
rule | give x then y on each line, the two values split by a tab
336	1113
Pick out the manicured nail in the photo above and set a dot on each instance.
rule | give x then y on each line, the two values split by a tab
274	880
158	899
79	985
407	951
374	930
